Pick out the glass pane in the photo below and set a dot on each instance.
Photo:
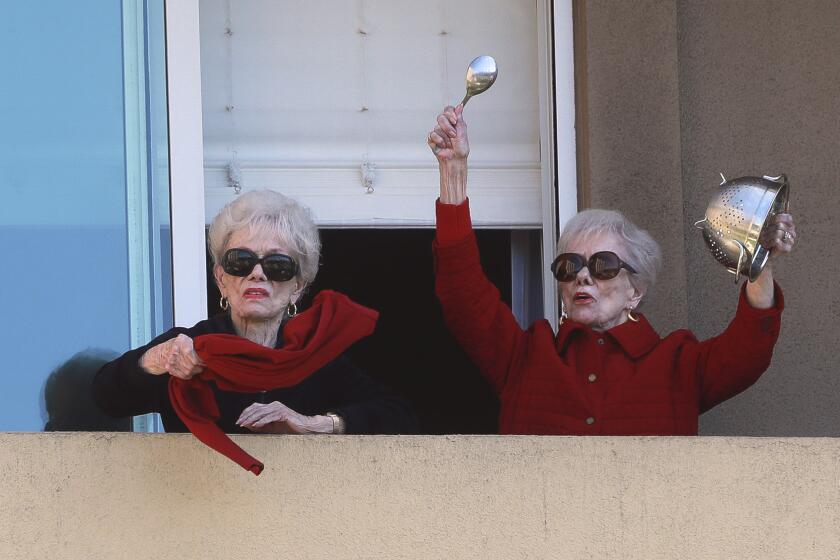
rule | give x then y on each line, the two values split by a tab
147	177
66	290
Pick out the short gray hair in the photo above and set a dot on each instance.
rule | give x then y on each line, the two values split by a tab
642	250
276	215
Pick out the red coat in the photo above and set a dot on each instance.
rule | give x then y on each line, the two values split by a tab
624	381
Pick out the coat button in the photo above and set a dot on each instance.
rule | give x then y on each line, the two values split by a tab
592	377
590	420
600	342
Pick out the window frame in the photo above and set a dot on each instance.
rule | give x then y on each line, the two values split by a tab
187	176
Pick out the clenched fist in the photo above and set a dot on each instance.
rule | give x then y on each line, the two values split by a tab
176	356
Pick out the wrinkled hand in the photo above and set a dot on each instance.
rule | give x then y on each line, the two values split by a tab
448	141
779	235
176	356
277	418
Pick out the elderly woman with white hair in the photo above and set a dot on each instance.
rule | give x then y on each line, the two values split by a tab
606	371
261	366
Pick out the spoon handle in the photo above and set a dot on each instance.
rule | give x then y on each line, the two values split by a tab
466	98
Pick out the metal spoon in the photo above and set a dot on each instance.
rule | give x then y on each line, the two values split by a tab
480	76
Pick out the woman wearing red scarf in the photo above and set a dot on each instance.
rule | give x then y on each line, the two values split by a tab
261	366
606	371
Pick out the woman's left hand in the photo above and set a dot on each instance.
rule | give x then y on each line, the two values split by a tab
277	418
779	235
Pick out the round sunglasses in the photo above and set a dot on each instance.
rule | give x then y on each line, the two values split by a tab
276	266
602	265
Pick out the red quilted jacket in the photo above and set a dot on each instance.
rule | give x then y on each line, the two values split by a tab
624	381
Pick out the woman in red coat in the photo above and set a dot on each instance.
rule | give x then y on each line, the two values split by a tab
606	371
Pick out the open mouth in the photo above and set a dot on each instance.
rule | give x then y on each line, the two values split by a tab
255	293
582	298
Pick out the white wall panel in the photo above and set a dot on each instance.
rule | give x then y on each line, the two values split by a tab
186	177
312	97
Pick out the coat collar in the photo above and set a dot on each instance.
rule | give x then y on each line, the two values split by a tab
636	339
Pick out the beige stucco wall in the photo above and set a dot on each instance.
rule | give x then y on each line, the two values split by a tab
679	90
113	496
632	140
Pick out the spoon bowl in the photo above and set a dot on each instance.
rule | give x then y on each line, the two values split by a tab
481	74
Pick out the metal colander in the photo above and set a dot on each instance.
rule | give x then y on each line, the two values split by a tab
735	218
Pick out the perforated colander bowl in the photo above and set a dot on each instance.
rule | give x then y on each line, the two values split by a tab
735	218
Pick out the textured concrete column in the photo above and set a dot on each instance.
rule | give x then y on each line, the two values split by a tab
670	93
759	95
629	131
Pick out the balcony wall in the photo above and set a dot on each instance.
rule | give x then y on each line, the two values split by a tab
168	497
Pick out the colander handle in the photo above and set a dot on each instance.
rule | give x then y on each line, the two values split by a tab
698	222
742	252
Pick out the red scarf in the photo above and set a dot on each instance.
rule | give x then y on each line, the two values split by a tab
312	339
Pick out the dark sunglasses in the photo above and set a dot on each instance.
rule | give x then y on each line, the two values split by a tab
276	267
602	265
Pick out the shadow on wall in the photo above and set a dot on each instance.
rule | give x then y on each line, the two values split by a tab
68	400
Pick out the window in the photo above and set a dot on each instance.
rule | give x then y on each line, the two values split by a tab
301	98
84	221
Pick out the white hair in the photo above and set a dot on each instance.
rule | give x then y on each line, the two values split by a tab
642	250
274	215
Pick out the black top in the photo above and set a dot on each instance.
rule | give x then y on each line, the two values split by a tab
123	388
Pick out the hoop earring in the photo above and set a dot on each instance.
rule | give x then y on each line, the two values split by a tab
223	303
292	309
632	317
563	315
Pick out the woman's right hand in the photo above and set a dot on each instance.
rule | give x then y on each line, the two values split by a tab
449	142
176	356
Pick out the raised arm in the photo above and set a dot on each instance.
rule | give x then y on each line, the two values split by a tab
472	307
451	146
734	360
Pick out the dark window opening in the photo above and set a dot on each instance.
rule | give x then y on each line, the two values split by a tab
411	350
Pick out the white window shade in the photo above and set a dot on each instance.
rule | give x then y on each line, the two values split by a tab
301	93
